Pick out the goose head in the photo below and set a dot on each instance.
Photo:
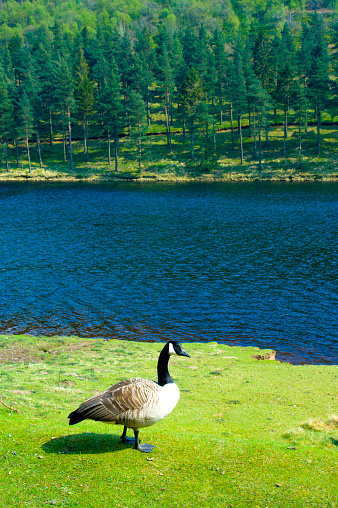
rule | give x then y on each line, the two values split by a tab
175	348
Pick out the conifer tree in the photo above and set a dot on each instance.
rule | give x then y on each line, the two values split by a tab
283	94
167	84
261	103
84	97
45	72
64	97
318	82
6	116
112	110
221	67
145	64
137	115
26	122
210	92
239	94
299	102
191	96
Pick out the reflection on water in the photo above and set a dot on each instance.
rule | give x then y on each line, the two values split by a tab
249	264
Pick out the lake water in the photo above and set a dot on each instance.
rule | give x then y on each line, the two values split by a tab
239	263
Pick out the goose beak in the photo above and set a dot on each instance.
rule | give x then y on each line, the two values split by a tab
183	353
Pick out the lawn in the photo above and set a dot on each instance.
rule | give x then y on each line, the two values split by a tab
246	432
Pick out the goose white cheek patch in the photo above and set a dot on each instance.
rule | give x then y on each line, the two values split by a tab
171	349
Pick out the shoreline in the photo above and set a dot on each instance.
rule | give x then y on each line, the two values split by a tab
170	177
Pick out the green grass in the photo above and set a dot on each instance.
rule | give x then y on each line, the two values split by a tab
245	432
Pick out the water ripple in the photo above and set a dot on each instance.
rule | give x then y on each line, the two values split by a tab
249	264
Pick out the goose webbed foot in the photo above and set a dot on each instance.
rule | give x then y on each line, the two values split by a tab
146	447
125	439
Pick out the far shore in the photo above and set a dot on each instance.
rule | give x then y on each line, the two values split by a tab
98	175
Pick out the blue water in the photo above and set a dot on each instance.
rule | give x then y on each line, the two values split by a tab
246	264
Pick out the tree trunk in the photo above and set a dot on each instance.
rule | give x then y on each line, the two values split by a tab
139	151
17	153
305	120
50	128
39	146
254	131
220	104
318	127
70	143
213	123
28	155
214	137
184	127
7	165
192	142
87	138
267	141
167	125
116	144
285	130
232	128
300	143
240	136
84	135
259	150
249	113
148	113
171	113
108	137
64	143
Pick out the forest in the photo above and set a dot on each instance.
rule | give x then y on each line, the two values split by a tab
182	86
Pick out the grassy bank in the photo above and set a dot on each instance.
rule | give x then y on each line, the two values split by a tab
223	164
246	432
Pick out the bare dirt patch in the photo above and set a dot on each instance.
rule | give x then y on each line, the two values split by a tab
41	350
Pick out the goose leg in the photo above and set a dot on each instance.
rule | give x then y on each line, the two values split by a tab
146	447
125	439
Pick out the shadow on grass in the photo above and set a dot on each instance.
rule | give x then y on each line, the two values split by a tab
87	442
334	441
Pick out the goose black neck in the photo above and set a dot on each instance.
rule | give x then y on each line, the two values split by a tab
162	367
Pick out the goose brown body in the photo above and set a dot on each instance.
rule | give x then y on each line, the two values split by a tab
131	403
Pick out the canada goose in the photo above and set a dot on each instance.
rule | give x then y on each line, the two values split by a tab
135	403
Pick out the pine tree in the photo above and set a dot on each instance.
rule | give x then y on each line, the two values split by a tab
209	87
84	96
167	87
137	115
239	94
283	94
261	103
190	97
64	98
112	110
145	65
319	75
143	81
45	71
6	115
299	102
221	67
26	122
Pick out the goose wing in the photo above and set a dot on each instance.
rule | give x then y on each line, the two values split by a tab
113	404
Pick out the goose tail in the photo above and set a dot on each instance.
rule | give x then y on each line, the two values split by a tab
75	417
